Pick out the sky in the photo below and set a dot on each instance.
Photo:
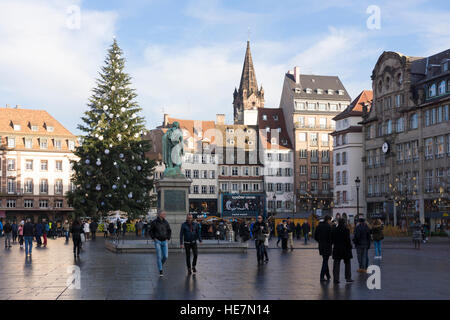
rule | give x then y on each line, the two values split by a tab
186	57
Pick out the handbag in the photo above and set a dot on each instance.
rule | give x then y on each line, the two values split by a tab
83	238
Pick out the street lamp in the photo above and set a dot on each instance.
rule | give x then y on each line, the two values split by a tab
358	184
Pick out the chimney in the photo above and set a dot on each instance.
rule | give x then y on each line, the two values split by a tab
166	120
297	74
220	118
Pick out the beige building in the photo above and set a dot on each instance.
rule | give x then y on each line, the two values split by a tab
309	104
407	139
35	169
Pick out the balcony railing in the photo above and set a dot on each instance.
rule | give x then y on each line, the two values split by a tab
314	176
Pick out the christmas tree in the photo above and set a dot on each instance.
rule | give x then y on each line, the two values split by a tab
112	172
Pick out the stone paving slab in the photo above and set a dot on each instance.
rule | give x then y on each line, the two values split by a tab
405	273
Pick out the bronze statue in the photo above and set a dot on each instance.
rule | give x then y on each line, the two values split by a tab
173	150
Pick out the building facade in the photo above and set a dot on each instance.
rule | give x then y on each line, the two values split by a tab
35	169
348	151
407	138
309	104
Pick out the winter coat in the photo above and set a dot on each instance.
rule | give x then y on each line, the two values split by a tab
377	233
342	246
306	228
38	229
28	229
14	227
244	232
7	228
282	231
20	230
160	229
93	226
323	236
190	232
362	236
259	229
76	230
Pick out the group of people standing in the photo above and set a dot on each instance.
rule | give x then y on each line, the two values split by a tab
287	230
334	240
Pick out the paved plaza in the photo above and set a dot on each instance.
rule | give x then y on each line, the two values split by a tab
405	274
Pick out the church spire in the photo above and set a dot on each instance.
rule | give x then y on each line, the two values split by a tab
248	77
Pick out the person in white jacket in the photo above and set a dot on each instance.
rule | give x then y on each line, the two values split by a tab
86	229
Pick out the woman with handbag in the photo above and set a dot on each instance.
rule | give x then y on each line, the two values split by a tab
377	236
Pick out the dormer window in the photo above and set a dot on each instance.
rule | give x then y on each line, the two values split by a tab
308	90
297	90
16	127
275	117
34	128
230	130
264	117
43	143
329	91
341	92
50	128
319	91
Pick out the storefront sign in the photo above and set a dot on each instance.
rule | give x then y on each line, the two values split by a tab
242	205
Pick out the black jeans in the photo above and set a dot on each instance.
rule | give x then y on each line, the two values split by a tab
93	235
259	250
337	268
284	243
187	247
76	245
325	270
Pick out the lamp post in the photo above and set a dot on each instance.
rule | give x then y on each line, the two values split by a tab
358	184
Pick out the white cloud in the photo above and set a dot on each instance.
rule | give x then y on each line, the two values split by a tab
46	65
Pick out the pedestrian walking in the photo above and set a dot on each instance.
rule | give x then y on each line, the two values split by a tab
362	241
189	235
283	232
45	231
323	236
7	229
76	230
259	235
15	228
416	229
244	232
20	233
28	233
66	228
160	232
279	233
124	229
290	230
38	229
266	243
93	229
306	229
298	230
377	237
86	230
105	229
342	250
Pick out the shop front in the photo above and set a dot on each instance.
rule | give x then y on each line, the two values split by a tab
243	205
202	208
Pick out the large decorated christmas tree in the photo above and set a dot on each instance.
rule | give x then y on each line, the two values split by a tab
112	172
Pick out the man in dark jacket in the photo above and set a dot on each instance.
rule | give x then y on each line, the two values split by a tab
259	231
93	228
76	230
7	229
38	228
362	243
298	230
189	234
323	236
15	229
28	233
160	232
342	250
282	231
235	227
306	228
244	231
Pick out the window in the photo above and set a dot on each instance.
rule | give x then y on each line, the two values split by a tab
279	187
28	186
338	159
400	125
28	143
313	141
11	142
441	89
303	153
196	174
333	107
413	122
303	170
429	148
398	100
408	153
322	107
300	105
234	171
324	139
388	127
58	203
212	189
344	196
58	165
338	178
58	144
44	165
325	186
314	170
287	172
311	122
11	164
311	106
400	152
224	186
270	187
11	185
344	157
34	128
43	203
256	171
58	186
71	145
43	143
223	171
195	189
344	139
256	187
288	187
50	129
428	180
43	186
10	203
29	165
245	187
415	149
440	148
187	173
212	174
204	189
204	174
28	203
264	117
432	90
344	177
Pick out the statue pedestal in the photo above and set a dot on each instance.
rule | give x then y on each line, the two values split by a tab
173	198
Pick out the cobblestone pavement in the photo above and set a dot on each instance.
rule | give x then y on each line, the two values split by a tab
405	274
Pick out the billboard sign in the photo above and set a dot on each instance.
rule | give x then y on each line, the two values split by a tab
242	205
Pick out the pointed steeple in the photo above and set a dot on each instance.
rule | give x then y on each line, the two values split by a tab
248	77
